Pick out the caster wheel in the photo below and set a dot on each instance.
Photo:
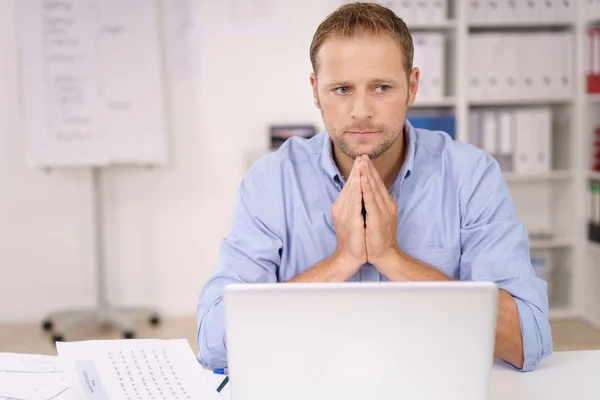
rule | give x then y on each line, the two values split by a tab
128	334
47	325
58	338
154	320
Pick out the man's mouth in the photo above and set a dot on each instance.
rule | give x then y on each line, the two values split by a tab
361	133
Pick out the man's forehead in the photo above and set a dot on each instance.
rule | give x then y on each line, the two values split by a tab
356	56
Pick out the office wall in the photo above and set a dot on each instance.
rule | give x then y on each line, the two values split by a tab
164	225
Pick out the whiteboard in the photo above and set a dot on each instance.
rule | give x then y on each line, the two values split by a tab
91	82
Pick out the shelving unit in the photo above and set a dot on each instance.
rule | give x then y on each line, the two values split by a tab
434	26
520	102
554	243
446	102
554	176
562	189
593	98
521	24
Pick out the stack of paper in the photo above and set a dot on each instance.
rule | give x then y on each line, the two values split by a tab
140	369
108	369
28	376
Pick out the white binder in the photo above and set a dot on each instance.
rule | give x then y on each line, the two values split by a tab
490	133
421	10
521	155
476	66
506	132
564	10
526	70
510	68
476	11
540	140
435	56
493	11
475	128
548	10
438	10
420	61
565	65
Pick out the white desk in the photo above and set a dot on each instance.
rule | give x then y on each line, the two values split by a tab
563	375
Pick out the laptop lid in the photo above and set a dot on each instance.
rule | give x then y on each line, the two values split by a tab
424	340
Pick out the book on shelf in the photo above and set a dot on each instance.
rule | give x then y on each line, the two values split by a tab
435	120
593	214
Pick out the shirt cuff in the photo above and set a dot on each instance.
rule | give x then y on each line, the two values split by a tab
533	351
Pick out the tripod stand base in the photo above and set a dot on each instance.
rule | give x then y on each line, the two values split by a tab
59	323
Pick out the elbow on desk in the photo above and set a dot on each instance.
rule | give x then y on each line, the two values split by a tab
209	355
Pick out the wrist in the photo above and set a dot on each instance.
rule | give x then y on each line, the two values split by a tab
391	260
347	261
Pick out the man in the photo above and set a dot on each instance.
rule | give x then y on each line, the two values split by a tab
436	209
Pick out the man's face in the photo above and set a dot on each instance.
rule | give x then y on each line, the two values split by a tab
362	91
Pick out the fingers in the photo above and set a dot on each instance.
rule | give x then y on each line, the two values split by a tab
355	202
377	192
367	191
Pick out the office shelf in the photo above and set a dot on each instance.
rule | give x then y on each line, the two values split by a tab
519	102
446	102
593	98
595	20
561	313
594	247
521	25
594	175
552	243
434	26
554	176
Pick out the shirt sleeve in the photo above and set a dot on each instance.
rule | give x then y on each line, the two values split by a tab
495	247
250	253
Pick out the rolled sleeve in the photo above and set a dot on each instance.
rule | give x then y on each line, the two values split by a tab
249	254
495	247
534	347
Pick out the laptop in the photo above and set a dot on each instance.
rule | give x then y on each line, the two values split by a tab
417	340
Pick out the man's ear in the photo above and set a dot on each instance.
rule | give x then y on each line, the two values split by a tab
413	85
313	83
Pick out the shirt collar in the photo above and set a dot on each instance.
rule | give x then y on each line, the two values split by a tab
333	172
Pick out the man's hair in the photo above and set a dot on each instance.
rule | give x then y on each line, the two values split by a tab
357	19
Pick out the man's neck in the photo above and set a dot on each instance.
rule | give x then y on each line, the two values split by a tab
388	165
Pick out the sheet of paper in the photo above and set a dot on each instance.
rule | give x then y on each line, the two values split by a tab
91	82
29	376
139	369
182	38
258	18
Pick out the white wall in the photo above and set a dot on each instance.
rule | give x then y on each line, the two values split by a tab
163	226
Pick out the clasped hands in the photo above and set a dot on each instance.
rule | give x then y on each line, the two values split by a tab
372	240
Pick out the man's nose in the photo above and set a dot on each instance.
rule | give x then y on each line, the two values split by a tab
362	106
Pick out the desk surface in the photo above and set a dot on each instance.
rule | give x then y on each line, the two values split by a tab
562	375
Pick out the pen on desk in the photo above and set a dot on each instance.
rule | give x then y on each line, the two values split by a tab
220	371
222	385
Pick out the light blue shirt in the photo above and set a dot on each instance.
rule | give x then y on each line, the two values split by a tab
454	212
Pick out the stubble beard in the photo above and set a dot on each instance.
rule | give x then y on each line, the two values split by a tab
385	135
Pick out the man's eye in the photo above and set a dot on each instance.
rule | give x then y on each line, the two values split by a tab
342	90
383	88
